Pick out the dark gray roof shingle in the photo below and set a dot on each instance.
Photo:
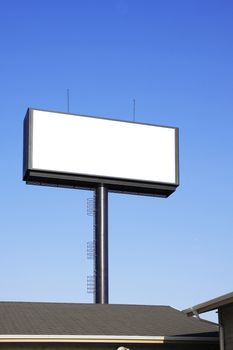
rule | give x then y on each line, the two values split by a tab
34	318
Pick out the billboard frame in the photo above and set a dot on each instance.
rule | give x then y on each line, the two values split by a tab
91	182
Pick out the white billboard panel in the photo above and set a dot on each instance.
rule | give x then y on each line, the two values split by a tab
100	149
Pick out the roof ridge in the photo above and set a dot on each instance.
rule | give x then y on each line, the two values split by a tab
85	304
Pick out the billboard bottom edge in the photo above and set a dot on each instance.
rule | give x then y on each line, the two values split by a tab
91	183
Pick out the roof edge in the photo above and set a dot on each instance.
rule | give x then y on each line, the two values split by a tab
210	305
23	338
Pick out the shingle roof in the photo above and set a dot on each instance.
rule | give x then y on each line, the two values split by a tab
34	318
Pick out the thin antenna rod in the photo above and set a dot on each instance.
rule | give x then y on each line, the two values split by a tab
68	100
134	105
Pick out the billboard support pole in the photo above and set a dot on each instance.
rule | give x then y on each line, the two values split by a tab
101	245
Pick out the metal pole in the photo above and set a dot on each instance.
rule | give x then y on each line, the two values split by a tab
101	245
68	100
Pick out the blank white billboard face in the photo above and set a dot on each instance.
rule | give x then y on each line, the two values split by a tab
102	148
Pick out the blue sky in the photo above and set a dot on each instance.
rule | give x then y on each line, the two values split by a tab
175	58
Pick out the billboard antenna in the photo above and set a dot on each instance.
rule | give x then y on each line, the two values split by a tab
134	105
68	99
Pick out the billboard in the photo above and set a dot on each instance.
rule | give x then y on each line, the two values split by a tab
64	149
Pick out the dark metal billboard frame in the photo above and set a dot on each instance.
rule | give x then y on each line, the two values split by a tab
91	182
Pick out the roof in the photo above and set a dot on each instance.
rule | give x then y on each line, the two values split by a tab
210	304
63	319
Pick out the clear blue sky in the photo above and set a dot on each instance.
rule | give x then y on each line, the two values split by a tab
175	57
